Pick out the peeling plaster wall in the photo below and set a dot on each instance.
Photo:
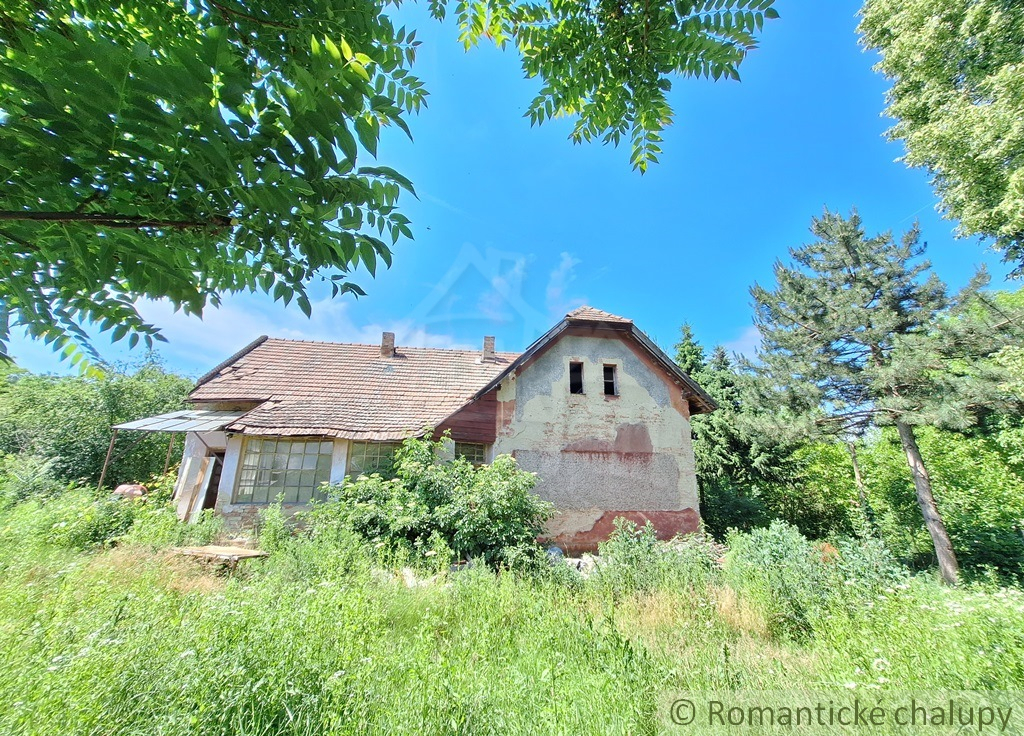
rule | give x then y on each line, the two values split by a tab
597	455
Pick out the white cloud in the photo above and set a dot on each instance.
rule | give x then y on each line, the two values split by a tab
506	286
746	344
558	283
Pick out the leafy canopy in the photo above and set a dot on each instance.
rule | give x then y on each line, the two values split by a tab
188	150
609	63
66	421
958	99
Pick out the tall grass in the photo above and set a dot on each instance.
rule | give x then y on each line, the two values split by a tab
123	638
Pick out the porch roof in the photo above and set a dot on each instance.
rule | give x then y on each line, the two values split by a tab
185	420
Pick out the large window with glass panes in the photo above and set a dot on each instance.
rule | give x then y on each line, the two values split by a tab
287	467
366	458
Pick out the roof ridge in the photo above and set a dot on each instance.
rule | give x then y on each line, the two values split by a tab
375	346
586	312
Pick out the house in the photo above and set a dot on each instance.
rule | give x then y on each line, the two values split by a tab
593	407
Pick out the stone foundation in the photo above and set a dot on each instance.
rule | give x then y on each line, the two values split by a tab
667	524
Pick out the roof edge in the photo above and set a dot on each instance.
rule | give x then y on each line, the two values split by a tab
670	367
208	376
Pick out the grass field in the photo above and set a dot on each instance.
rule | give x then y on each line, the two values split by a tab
321	639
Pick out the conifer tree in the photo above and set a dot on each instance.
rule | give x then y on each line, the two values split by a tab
689	353
731	460
860	332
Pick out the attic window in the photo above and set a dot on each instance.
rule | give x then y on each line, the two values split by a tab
610	389
473	452
575	378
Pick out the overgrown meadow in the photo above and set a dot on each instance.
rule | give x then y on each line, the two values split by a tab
355	623
104	631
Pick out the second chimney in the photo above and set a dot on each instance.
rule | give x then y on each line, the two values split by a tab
387	345
489	347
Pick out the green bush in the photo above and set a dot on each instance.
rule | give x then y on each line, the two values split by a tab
979	490
68	419
432	507
724	506
26	476
274	531
798	585
82	518
634	561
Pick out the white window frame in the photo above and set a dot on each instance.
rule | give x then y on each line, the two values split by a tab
359	452
294	468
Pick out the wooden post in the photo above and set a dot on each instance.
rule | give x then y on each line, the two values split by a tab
106	460
170	449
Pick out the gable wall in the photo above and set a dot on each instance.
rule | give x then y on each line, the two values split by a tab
598	456
476	422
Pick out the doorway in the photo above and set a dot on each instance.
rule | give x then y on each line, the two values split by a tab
210	499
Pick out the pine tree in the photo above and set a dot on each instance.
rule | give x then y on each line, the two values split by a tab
689	353
859	332
731	460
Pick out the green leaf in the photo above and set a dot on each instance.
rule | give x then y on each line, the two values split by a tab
367	133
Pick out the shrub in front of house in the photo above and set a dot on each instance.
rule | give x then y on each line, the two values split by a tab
632	560
800	585
439	511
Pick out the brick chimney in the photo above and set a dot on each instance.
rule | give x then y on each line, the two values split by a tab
489	348
387	345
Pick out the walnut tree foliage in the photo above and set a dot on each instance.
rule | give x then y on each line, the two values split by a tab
609	63
957	71
190	149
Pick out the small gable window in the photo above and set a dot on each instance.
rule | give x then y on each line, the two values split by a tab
471	451
610	385
575	378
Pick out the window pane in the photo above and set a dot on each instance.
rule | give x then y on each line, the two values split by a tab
473	452
366	458
609	381
292	468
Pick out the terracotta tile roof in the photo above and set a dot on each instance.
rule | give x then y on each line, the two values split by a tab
346	390
589	314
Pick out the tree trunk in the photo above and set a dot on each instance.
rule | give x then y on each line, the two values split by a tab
862	493
948	565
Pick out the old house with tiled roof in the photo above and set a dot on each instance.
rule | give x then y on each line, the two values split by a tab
593	407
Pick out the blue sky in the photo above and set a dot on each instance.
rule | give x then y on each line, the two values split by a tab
515	225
